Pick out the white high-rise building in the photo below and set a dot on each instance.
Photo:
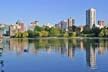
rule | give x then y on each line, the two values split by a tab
64	25
91	17
71	22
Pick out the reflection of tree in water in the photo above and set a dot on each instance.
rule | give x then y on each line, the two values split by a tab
46	44
18	45
65	47
55	43
103	45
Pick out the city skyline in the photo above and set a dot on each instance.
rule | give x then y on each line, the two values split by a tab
51	11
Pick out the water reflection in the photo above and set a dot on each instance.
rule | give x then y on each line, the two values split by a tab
66	47
91	56
1	60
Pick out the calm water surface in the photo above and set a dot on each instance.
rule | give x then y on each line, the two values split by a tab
53	55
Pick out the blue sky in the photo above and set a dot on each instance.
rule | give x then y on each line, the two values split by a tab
50	11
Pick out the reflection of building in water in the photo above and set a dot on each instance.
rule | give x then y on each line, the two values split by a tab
67	49
1	43
1	46
101	50
91	56
71	52
81	45
49	49
64	48
20	46
17	45
103	45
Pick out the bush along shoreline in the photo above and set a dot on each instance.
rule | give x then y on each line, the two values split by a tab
39	32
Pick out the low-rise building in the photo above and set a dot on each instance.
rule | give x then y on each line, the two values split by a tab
33	24
13	30
101	24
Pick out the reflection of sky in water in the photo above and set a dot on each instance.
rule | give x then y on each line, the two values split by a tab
54	55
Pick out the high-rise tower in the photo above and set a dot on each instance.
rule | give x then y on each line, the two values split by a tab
91	18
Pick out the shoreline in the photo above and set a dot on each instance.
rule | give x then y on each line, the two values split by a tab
59	38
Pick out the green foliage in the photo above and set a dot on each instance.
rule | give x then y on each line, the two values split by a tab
25	34
54	32
43	34
46	28
95	31
21	35
66	34
87	35
74	34
18	35
38	29
86	31
31	33
103	32
74	28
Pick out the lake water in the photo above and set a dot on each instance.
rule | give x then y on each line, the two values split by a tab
54	55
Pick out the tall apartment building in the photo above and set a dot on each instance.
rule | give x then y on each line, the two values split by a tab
91	18
71	22
64	25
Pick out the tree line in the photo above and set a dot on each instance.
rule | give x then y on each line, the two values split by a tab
55	32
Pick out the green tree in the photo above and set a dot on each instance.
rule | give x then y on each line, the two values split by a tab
66	34
101	34
74	34
54	31
44	33
31	33
95	31
106	32
38	28
46	28
18	35
25	34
